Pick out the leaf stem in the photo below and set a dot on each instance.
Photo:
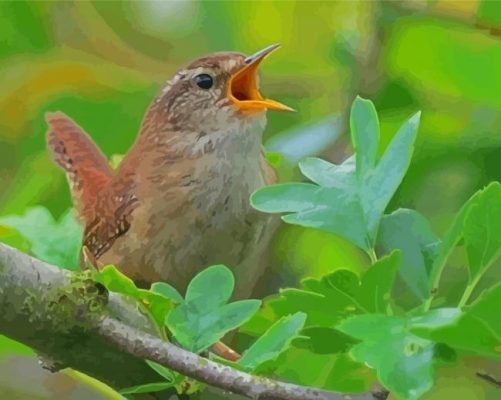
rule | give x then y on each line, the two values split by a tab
467	293
471	286
372	255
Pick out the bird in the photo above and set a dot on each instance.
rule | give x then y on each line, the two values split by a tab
179	200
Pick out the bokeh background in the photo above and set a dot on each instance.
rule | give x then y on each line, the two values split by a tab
102	62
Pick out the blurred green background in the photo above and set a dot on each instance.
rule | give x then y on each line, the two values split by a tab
102	62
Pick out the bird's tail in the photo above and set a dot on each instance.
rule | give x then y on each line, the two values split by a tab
74	151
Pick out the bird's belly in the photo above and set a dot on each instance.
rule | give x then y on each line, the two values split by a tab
175	246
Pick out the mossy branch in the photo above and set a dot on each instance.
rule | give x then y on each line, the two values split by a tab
74	322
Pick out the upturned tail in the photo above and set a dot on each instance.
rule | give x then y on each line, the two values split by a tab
86	167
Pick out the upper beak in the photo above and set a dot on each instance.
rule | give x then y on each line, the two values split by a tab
242	88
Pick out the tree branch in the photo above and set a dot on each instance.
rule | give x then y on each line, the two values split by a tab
72	321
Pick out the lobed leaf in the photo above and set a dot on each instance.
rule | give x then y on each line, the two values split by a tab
410	232
210	288
478	329
404	361
326	174
324	340
203	317
343	216
167	291
482	230
348	199
374	293
273	342
380	184
286	197
364	125
327	371
451	239
196	330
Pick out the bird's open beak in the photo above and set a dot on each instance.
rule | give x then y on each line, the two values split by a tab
242	88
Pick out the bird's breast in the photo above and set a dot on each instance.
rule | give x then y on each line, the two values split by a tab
196	215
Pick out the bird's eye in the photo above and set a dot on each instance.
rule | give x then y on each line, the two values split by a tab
204	81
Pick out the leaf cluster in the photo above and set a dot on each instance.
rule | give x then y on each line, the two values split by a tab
365	317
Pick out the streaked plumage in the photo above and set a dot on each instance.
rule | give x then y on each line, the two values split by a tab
179	200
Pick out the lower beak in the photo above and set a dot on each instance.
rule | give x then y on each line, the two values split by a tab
242	88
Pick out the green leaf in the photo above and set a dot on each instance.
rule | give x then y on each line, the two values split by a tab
115	281
340	289
380	184
161	370
410	232
364	125
482	231
478	329
56	242
147	388
374	293
287	197
330	209
348	199
325	371
325	301
168	291
210	288
326	174
435	318
451	239
13	238
323	340
197	329
204	317
158	306
318	309
274	341
342	215
403	361
481	199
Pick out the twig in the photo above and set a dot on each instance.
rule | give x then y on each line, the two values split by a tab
489	378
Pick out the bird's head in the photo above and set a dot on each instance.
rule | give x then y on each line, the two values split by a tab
216	89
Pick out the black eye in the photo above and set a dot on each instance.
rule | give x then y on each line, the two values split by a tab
204	81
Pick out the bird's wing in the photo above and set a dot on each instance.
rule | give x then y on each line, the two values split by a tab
86	167
110	217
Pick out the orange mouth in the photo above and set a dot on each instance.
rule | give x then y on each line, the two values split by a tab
242	88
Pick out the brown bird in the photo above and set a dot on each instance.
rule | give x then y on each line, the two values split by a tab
179	200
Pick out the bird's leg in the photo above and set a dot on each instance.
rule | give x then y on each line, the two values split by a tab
225	352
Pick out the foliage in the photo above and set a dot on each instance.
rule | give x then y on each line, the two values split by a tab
155	304
57	242
199	320
347	199
273	342
348	328
204	316
403	345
